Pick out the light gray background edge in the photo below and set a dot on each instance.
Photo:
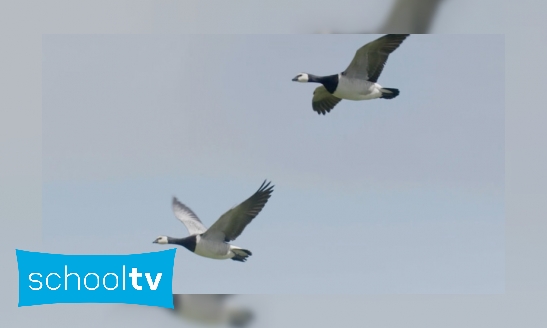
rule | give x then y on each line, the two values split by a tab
523	303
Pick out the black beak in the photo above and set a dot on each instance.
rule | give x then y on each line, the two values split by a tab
295	79
155	241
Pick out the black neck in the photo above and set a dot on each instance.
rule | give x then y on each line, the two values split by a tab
188	242
330	82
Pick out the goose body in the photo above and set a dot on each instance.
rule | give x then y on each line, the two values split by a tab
355	89
213	242
359	80
211	248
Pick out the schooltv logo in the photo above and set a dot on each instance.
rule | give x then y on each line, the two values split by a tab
144	279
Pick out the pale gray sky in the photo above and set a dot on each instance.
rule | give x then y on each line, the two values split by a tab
400	196
20	145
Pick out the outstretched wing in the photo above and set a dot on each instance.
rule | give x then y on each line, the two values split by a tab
188	218
370	59
231	224
323	101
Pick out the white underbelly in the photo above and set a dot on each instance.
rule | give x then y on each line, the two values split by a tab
357	89
213	250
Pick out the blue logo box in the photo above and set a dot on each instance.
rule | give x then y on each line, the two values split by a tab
144	279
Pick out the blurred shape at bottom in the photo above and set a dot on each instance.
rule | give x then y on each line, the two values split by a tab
191	310
211	309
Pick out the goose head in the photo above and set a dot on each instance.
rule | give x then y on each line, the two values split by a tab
302	77
161	240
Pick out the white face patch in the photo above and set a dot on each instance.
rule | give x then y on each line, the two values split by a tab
161	240
302	77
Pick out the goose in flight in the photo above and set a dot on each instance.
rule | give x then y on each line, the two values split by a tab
213	242
359	80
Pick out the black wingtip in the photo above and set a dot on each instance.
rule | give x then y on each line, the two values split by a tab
398	35
265	191
266	187
396	38
320	111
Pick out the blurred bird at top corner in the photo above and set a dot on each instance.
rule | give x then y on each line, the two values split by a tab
405	16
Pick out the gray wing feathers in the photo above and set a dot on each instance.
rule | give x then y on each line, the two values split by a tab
323	101
188	218
231	224
370	59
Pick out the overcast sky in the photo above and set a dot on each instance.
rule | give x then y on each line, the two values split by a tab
21	148
398	196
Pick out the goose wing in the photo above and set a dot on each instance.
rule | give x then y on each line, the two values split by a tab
188	218
370	59
230	225
323	101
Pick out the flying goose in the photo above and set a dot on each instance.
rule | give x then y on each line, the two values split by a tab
213	242
358	81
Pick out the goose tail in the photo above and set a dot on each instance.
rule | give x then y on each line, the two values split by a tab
389	93
241	254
